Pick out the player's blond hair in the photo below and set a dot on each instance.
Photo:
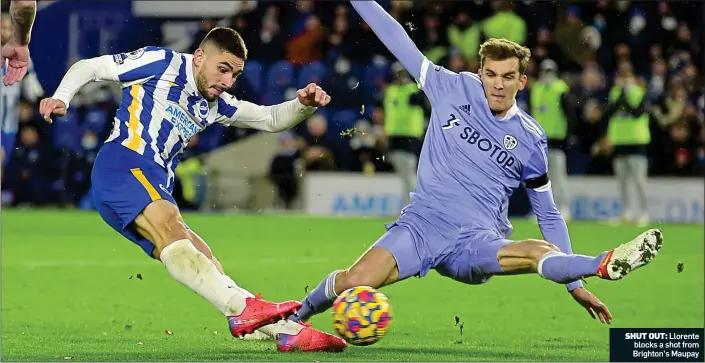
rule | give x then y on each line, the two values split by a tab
501	49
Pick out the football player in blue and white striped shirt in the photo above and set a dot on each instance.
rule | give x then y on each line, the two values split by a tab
168	97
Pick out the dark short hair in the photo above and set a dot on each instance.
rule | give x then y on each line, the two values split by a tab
227	40
501	49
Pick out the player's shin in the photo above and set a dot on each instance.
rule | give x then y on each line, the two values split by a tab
193	269
561	268
319	299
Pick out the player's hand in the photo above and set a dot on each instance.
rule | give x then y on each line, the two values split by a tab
17	62
52	106
313	96
592	304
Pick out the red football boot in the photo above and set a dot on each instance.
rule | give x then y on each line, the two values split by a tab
310	340
258	313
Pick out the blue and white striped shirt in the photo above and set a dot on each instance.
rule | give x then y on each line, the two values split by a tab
161	108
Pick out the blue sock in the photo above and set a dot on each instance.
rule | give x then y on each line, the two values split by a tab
318	300
562	268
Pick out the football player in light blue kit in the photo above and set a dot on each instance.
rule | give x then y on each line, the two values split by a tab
479	147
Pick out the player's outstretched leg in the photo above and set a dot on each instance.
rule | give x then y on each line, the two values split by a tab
545	259
162	224
631	255
377	267
290	335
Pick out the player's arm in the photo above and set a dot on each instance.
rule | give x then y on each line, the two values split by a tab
23	14
276	118
126	68
434	80
551	222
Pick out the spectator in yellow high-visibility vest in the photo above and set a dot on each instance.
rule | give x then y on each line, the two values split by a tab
404	124
552	107
628	135
505	23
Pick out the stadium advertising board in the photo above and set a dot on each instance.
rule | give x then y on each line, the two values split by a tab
185	9
674	200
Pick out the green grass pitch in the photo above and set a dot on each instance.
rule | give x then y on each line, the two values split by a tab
68	295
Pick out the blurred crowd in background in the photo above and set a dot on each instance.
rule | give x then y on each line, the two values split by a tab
593	46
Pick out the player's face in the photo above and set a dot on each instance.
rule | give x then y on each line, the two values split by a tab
501	80
6	28
217	72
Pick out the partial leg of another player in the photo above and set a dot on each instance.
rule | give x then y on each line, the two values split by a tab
161	223
620	164
290	335
392	258
638	167
405	164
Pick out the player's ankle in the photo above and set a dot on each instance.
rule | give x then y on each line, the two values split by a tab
540	264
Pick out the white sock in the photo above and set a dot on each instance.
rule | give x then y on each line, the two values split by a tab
192	268
233	285
281	327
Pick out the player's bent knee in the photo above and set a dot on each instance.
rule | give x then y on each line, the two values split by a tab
536	249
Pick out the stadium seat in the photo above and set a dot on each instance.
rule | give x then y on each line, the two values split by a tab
273	96
357	69
211	138
280	76
374	74
67	132
324	111
254	73
313	72
96	120
579	163
342	119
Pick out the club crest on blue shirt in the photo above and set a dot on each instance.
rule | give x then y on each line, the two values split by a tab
202	109
199	108
510	142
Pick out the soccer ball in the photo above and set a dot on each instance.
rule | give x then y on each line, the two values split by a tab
361	315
